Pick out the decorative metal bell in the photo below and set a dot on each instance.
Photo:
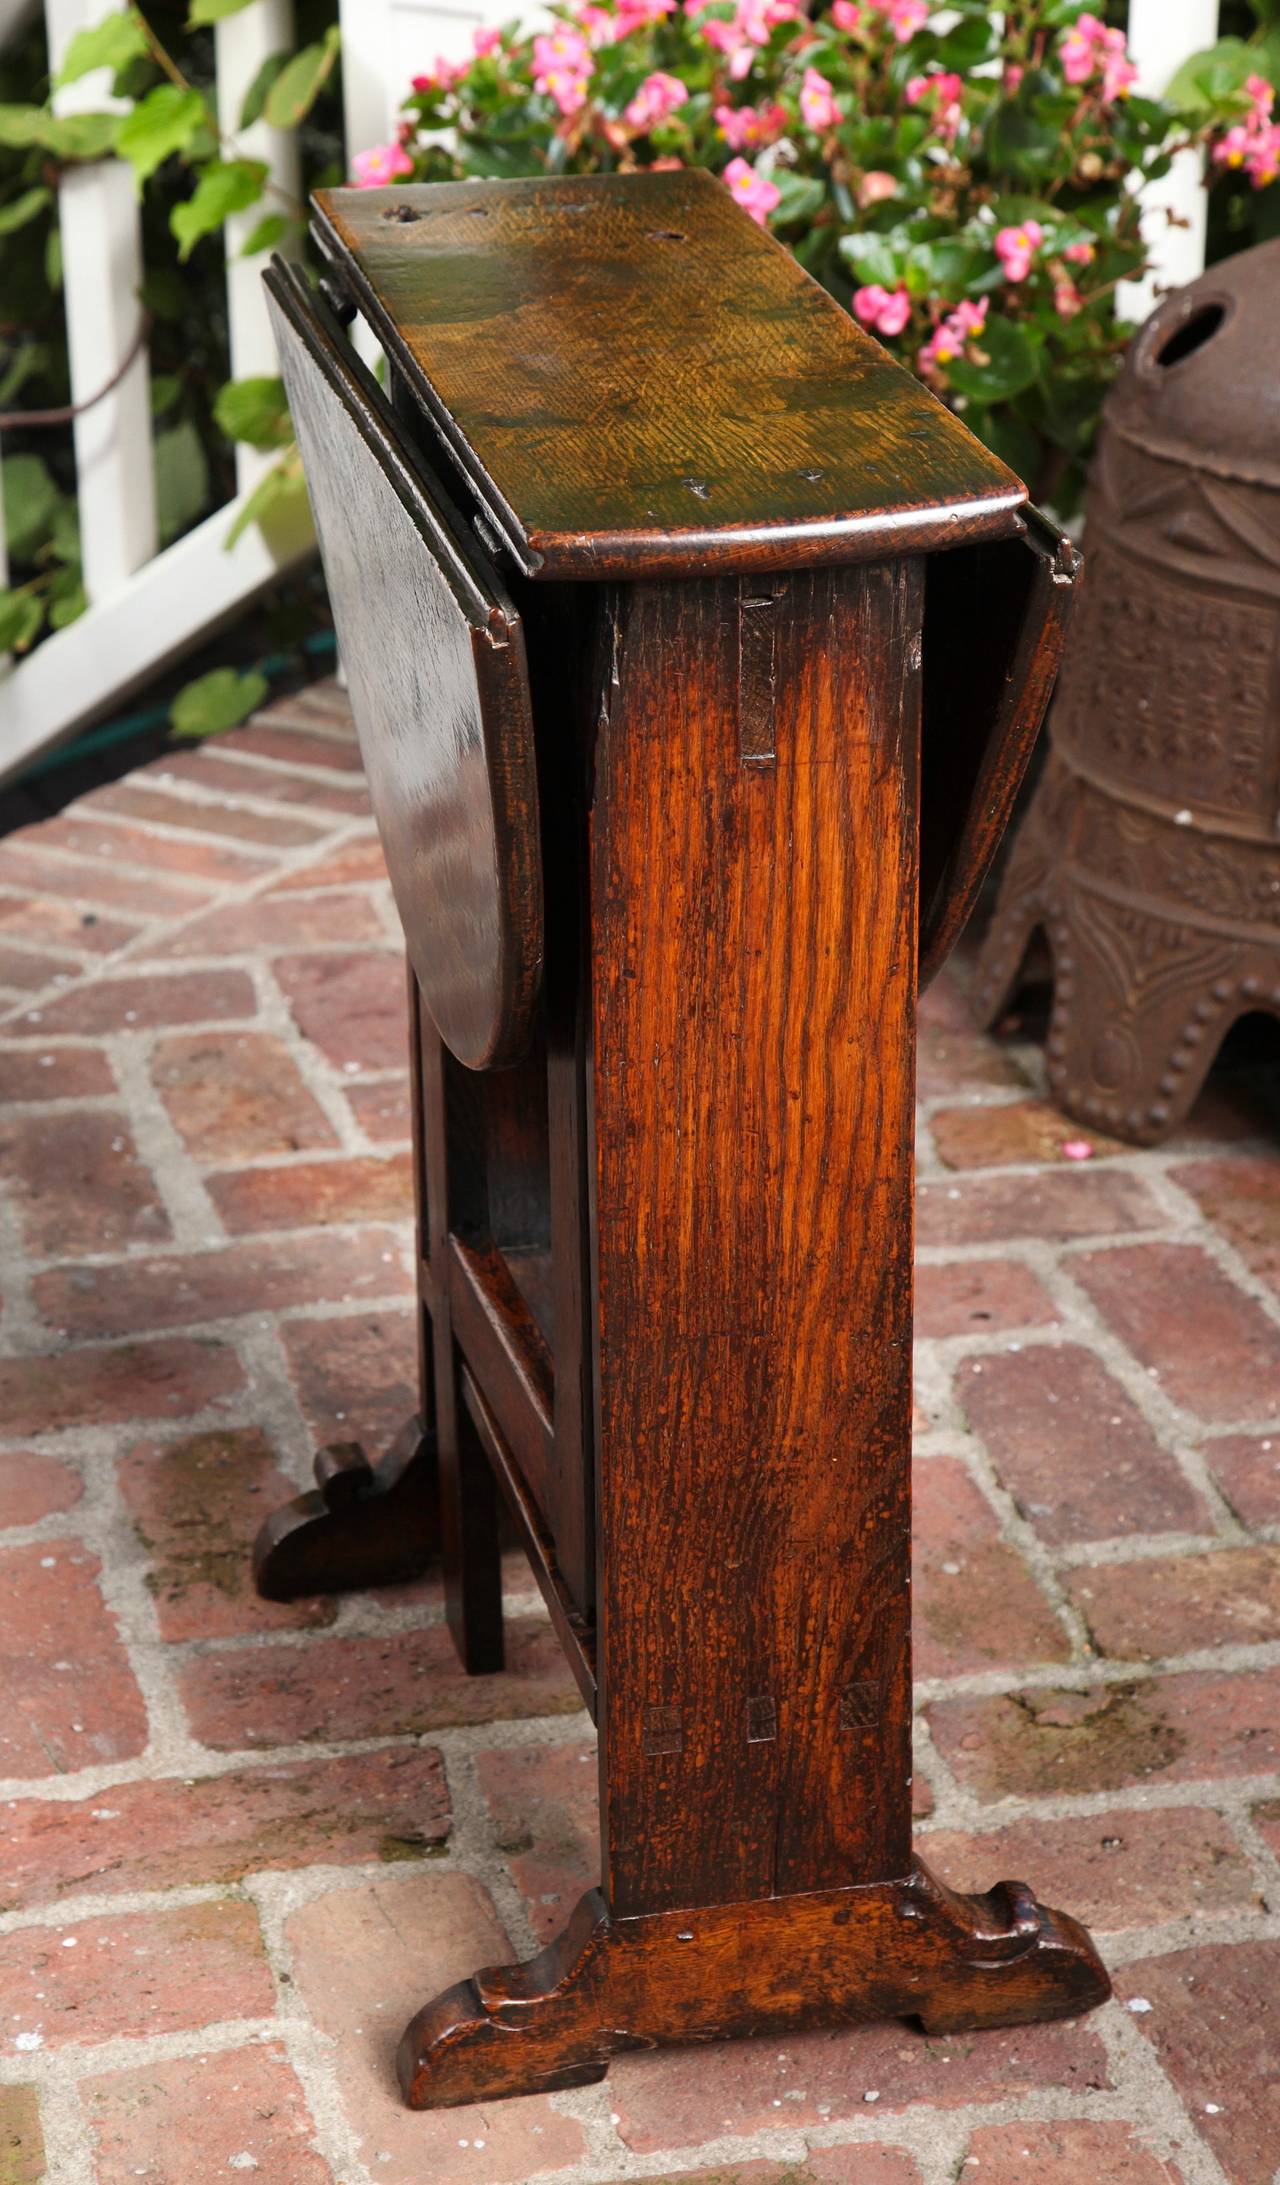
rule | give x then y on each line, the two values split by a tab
1150	855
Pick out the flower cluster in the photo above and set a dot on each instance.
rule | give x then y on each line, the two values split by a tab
956	337
1254	143
1093	54
964	180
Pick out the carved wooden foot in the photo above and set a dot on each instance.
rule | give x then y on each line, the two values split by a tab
909	1948
361	1526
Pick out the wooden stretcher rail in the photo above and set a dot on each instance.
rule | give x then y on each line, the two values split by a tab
575	1637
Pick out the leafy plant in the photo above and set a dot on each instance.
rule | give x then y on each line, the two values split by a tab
963	179
192	176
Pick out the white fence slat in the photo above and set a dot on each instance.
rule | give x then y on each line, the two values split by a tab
1162	34
181	596
102	274
386	43
242	43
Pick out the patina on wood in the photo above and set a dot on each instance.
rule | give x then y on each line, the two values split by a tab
666	1253
636	381
434	656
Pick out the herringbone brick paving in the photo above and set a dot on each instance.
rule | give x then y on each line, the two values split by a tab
242	1842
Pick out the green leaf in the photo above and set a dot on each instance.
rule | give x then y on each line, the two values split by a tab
21	211
213	11
31	501
967	45
266	235
22	125
53	260
1013	362
275	496
67	600
221	699
800	196
293	93
112	44
64	538
254	410
1004	432
227	186
182	479
32	357
872	259
165	389
255	97
166	121
1211	75
81	136
67	136
21	620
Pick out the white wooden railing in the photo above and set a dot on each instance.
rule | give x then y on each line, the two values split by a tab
146	607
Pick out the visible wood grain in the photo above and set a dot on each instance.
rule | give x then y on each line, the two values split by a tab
983	708
468	1496
635	379
665	1263
434	658
900	1948
508	1353
573	1631
753	973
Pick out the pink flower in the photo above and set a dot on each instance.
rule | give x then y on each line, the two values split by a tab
1119	73
1077	1149
660	166
562	66
950	340
1080	254
904	17
728	39
634	14
944	90
1011	82
846	15
658	96
598	25
1067	299
1254	143
381	163
818	102
877	185
485	41
1016	247
1263	163
754	192
1232	149
440	77
1089	49
743	127
886	309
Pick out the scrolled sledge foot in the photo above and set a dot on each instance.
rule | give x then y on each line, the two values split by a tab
362	1525
908	1948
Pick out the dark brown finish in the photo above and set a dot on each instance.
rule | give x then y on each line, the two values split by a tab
666	1255
980	726
769	1402
908	1947
635	381
1149	858
360	1526
434	656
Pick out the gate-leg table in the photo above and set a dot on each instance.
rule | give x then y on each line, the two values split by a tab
695	652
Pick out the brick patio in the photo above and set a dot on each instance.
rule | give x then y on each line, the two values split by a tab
243	1841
